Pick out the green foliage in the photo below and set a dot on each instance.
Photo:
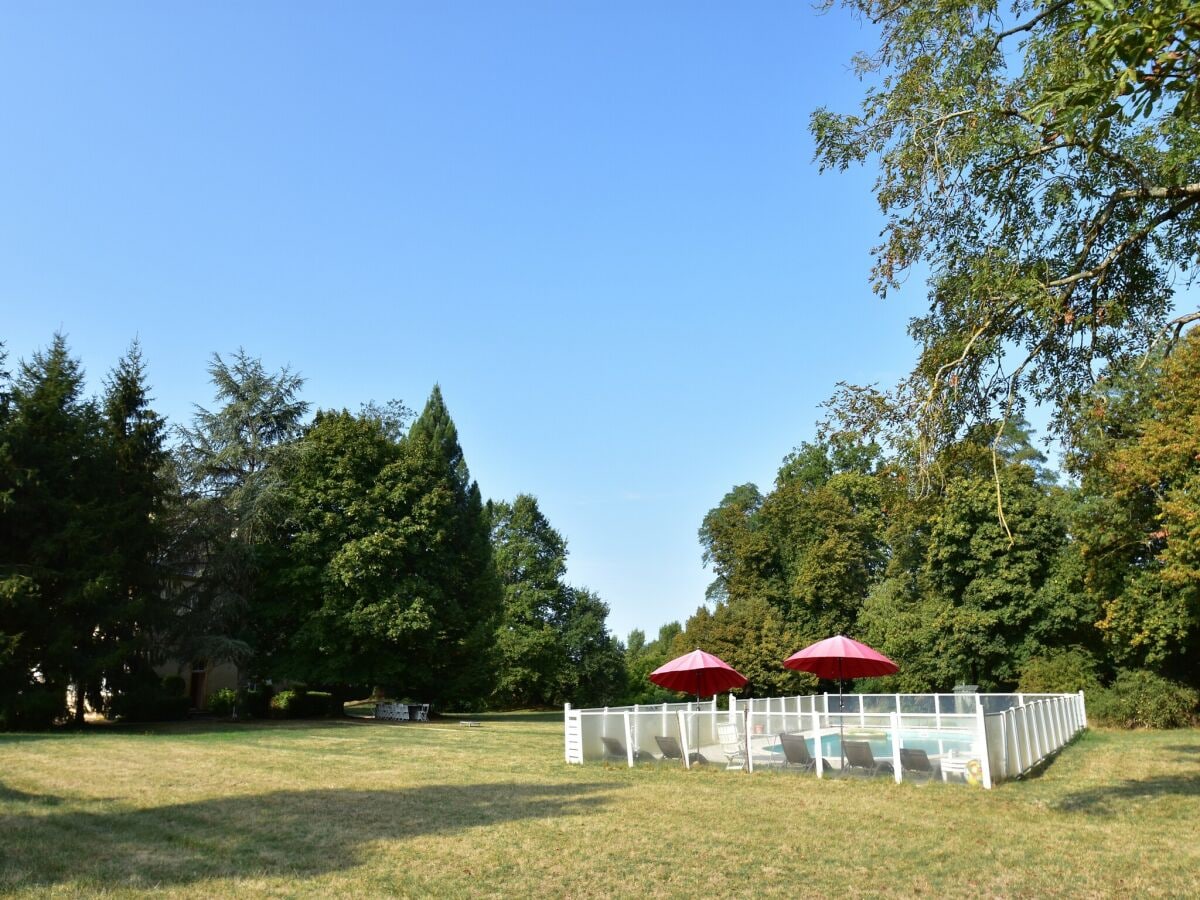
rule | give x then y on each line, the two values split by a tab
254	702
301	703
1139	455
552	644
1142	699
222	702
226	467
1067	671
32	709
1042	160
753	637
148	699
642	658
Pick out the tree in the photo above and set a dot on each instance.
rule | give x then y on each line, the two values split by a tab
961	601
225	469
137	493
54	548
752	636
354	592
1139	457
642	657
530	558
464	670
1045	165
594	673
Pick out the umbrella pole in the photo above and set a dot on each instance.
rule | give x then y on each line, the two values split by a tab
841	718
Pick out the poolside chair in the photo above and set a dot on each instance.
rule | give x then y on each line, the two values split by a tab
732	746
795	753
860	759
916	763
670	749
614	751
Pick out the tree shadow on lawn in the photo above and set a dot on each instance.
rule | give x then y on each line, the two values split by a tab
1184	748
287	833
1111	798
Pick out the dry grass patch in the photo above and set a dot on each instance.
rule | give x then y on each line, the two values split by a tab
354	808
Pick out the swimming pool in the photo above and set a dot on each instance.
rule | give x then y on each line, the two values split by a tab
933	743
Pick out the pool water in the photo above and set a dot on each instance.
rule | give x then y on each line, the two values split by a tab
881	747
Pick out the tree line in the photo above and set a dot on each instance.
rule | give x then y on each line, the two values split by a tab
352	552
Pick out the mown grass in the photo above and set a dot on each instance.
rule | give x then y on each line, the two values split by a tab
357	808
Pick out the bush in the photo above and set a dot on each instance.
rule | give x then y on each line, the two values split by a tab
255	702
285	705
35	709
1065	672
301	703
222	702
174	686
149	701
1141	699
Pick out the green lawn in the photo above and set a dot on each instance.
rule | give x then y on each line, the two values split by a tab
353	808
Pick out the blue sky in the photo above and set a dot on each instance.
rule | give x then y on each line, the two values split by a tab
596	225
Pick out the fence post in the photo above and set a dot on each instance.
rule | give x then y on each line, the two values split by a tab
937	711
896	742
567	731
746	740
1016	736
1082	711
1027	730
628	739
985	762
683	739
818	750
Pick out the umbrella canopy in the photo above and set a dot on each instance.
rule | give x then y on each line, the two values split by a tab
841	657
698	673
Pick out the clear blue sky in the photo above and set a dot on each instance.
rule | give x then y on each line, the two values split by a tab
597	225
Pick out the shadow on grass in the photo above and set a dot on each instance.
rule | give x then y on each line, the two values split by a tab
1184	748
1111	798
287	833
13	795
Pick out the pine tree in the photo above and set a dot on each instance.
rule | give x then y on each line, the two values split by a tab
463	669
137	495
54	547
230	492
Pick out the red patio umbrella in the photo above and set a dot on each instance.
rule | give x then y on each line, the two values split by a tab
698	673
841	657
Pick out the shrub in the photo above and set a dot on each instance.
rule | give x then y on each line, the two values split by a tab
1141	699
1064	672
285	705
222	702
302	703
255	702
34	709
174	686
149	701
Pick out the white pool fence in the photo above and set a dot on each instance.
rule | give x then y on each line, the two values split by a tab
977	738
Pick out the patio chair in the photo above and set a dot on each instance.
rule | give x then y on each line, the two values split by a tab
916	763
859	758
614	750
732	746
670	749
795	753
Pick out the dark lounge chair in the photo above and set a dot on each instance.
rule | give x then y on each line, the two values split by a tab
860	759
795	753
614	750
916	763
671	750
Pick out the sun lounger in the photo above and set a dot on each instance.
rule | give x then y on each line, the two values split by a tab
732	746
860	759
795	753
670	749
915	763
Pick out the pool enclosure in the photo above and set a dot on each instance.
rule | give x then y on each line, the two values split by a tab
977	738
